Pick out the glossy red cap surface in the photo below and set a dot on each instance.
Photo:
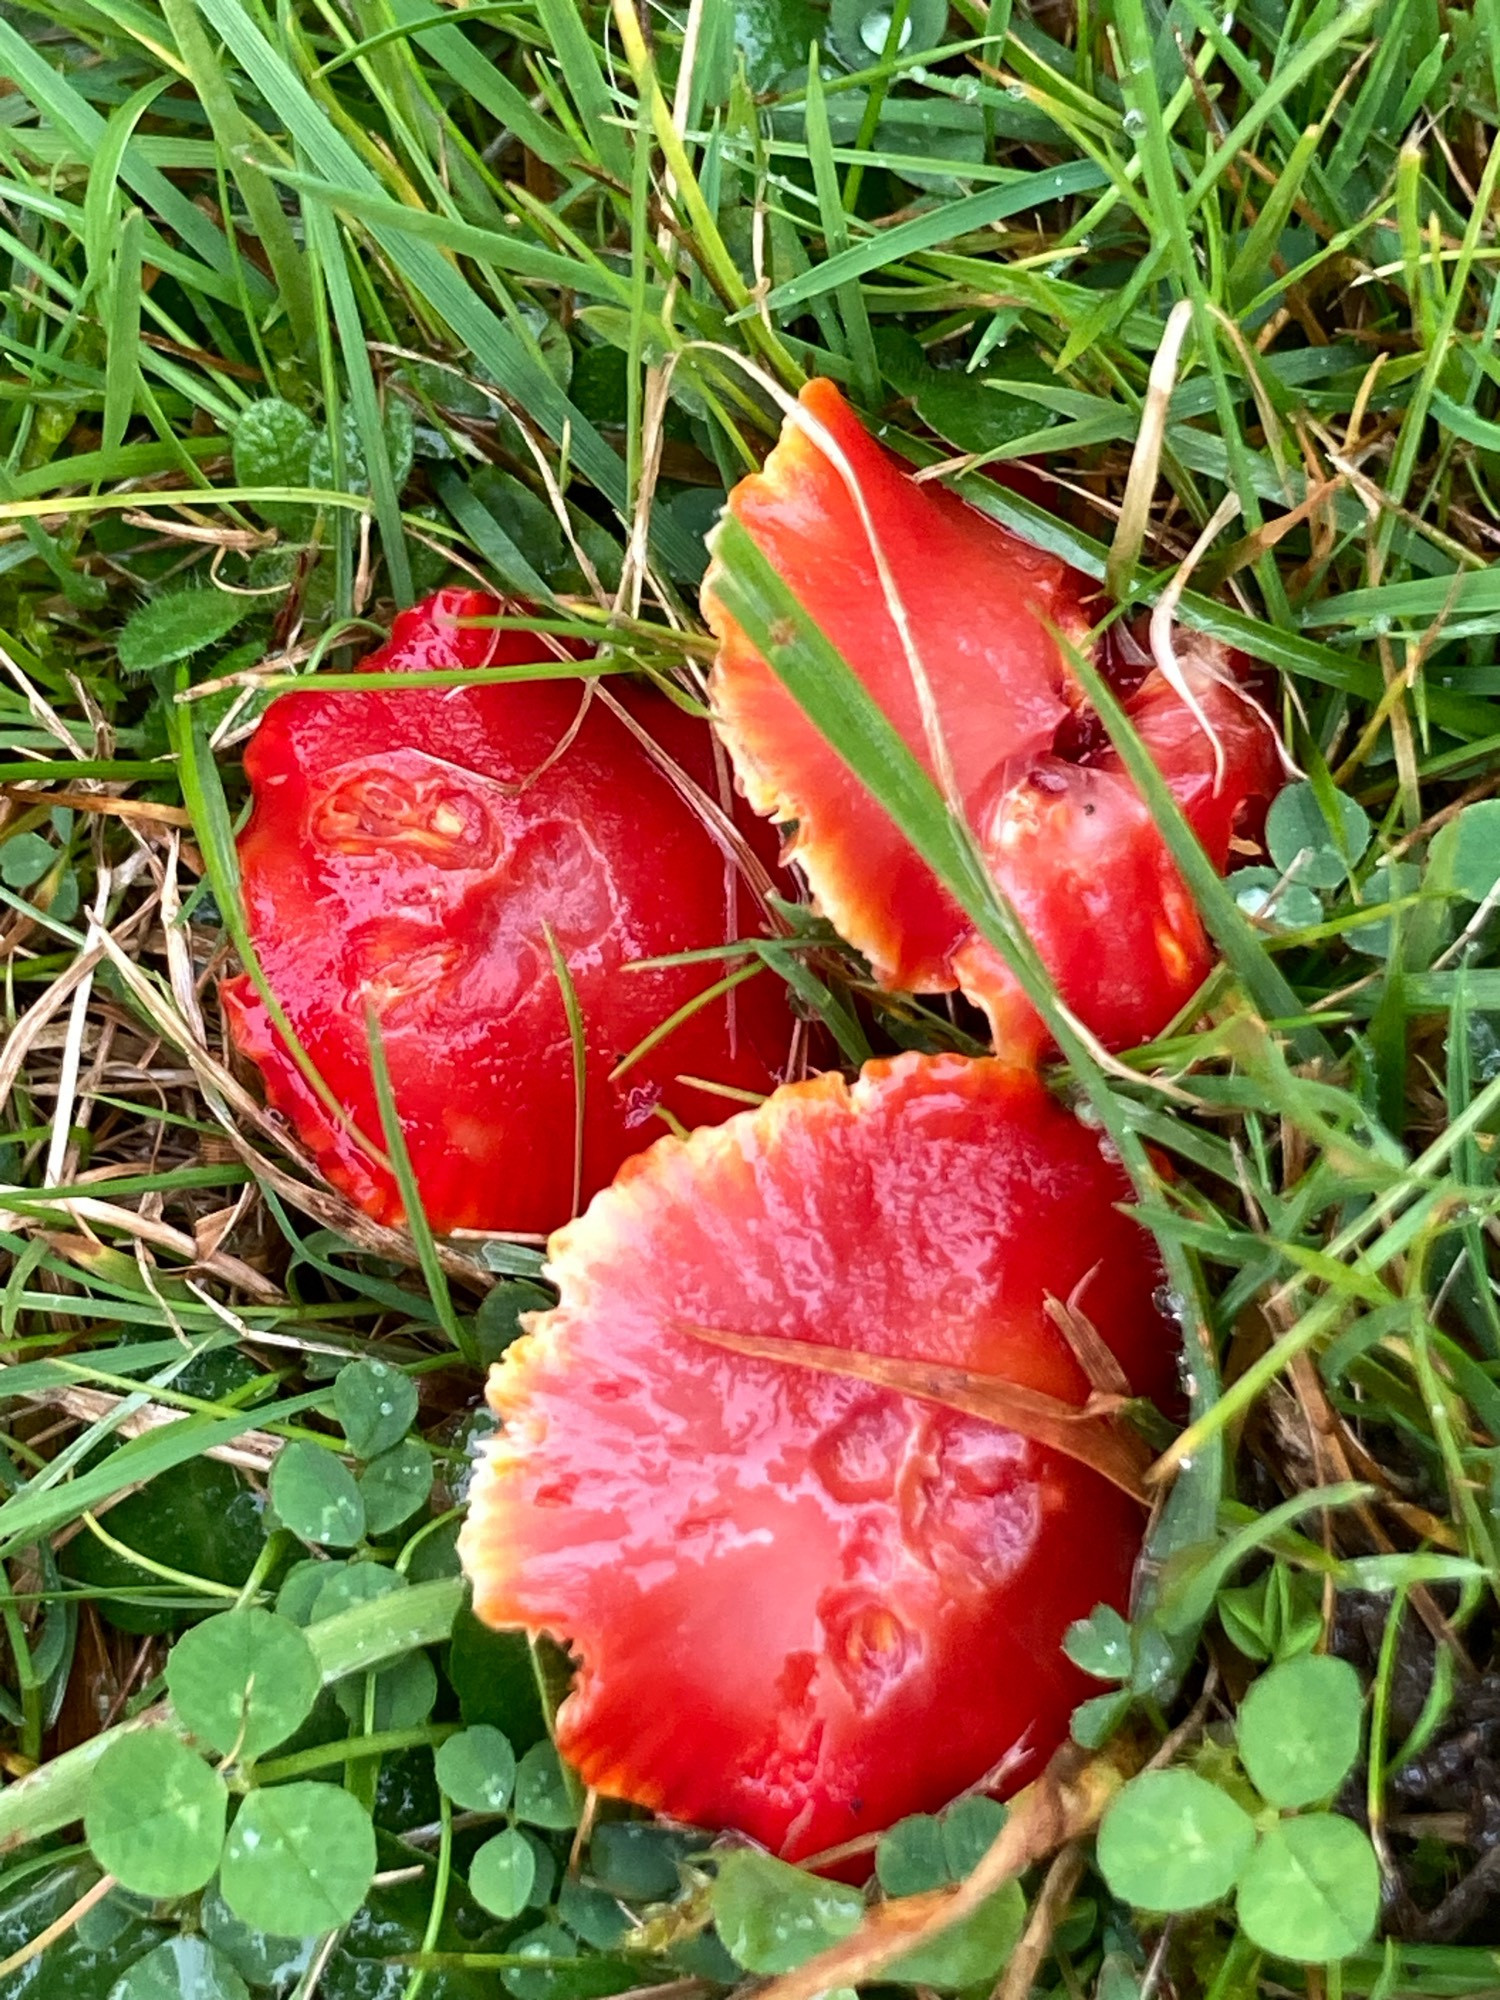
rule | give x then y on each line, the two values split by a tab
802	1605
409	851
1061	825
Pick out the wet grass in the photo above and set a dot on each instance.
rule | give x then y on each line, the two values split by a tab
305	310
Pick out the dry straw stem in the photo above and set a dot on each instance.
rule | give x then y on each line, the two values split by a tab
254	1451
1066	1802
1091	1434
1145	463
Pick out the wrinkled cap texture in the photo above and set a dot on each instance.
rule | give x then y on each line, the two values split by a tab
1062	827
409	852
804	1606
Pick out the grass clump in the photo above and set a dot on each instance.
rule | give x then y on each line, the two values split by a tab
305	310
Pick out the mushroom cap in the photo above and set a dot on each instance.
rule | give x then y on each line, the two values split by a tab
409	850
982	608
803	1605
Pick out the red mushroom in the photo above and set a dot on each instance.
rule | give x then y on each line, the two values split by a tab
419	853
805	1604
1062	826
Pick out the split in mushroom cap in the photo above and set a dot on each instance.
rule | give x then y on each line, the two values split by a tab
1061	824
804	1605
409	850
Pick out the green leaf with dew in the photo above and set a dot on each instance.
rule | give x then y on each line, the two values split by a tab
315	1495
299	1859
1172	1841
1101	1644
184	1968
394	1485
772	1916
376	1406
273	443
1306	843
543	1795
155	1814
243	1682
1311	1890
1299	1729
502	1872
477	1769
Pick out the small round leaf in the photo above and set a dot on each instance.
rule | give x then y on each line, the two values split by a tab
543	1795
545	1965
1311	1890
974	1949
243	1682
1096	1720
502	1873
25	859
1101	1644
1172	1841
259	1959
498	1320
272	443
346	1584
376	1405
772	1916
1388	883
155	1817
404	1693
910	1858
184	1968
638	1862
1474	856
1264	894
1299	1729
314	1493
394	1485
1302	841
300	1588
477	1769
590	1914
970	1828
299	1859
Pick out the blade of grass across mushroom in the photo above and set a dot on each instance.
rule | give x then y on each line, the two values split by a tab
1291	652
203	794
823	684
406	1181
1242	947
1089	1433
578	1045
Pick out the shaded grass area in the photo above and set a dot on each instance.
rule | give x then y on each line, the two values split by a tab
307	310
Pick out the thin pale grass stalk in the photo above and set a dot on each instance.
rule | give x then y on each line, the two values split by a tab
1063	1805
578	1050
56	1931
86	1209
43	1010
60	1144
1145	463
